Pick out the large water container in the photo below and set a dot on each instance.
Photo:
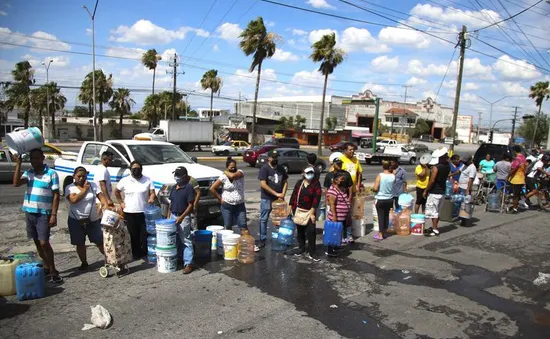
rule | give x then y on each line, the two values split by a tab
246	248
404	222
25	140
151	249
332	234
393	218
279	211
275	244
203	244
152	213
493	202
30	281
7	276
166	232
286	232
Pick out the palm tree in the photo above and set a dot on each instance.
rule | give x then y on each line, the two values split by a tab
539	92
150	60
57	101
324	51
85	96
149	111
256	40
103	93
121	103
19	91
211	80
39	102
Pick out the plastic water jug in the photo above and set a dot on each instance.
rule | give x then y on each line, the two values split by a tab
151	251
246	248
394	217
276	245
332	234
404	222
446	210
286	232
493	201
7	276
322	214
279	211
448	187
358	207
30	281
152	213
203	244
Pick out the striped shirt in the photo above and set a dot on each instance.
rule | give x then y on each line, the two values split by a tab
342	204
40	188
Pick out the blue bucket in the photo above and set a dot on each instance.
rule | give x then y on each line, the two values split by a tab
203	244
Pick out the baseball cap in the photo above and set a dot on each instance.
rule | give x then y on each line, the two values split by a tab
180	171
309	169
335	155
273	154
337	161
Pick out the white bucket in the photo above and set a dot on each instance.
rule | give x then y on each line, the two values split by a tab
25	140
167	259
166	233
110	218
214	230
358	227
219	240
417	226
230	250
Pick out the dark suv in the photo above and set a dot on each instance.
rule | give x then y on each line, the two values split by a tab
495	150
284	142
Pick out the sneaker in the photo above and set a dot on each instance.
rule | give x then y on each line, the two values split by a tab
83	267
312	257
261	244
187	269
56	278
351	240
331	255
256	248
296	251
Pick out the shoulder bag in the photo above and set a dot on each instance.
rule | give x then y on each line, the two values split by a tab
301	215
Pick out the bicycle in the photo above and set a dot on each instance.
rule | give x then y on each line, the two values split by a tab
543	193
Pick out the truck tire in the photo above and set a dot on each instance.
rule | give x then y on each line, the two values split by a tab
186	147
225	153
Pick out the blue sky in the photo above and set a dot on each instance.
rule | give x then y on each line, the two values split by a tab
205	35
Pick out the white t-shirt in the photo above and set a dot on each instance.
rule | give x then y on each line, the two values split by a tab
102	174
233	192
85	208
136	193
536	166
469	173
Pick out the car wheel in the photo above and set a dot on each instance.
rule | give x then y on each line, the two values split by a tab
225	153
252	164
286	168
217	153
368	161
412	161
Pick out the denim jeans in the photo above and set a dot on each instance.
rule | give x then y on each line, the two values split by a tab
232	213
185	234
265	211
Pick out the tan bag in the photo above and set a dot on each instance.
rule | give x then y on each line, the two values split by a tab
301	216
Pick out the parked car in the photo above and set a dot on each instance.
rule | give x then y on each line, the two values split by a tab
391	152
292	160
7	164
496	151
449	140
237	147
418	148
381	144
339	146
426	138
250	156
284	142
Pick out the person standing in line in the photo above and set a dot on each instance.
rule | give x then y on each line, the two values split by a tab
531	179
487	165
340	204
351	164
384	186
422	174
102	177
534	156
502	169
138	191
83	218
436	188
182	197
306	195
329	178
40	206
517	176
467	176
180	176
273	182
312	161
456	167
400	181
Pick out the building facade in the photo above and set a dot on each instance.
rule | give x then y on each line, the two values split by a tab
81	128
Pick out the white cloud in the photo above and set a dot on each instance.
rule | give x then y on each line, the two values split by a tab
313	78
320	4
11	37
360	39
229	31
467	97
470	86
144	32
449	84
57	61
514	88
397	36
49	41
513	69
414	81
377	90
449	15
243	77
429	94
298	32
384	64
281	55
125	52
3	13
416	67
270	24
88	31
475	69
316	35
216	48
168	54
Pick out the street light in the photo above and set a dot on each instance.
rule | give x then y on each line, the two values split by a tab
491	103
92	16
47	67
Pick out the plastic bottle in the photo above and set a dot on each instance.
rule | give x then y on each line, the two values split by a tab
393	220
286	232
279	211
448	188
246	248
404	222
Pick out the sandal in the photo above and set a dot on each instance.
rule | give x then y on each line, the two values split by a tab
432	232
378	236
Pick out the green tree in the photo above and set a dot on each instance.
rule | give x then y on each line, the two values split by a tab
262	44
331	123
539	92
296	122
19	91
85	96
148	111
80	111
122	103
150	60
39	103
210	80
103	93
326	52
56	101
528	127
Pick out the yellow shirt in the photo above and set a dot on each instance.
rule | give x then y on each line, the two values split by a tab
353	167
419	182
519	177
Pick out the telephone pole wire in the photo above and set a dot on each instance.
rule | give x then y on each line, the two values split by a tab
463	38
174	72
514	124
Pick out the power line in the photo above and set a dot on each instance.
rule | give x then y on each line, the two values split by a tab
200	25
445	75
509	18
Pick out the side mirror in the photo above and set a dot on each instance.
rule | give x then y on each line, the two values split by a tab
195	160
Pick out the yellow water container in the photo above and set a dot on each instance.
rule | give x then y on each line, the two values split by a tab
7	277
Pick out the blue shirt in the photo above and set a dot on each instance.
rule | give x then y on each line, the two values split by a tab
455	169
400	179
40	189
181	197
385	191
275	178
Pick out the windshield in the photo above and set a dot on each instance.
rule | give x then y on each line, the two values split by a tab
159	154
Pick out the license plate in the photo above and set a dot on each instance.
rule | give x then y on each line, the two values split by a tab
213	209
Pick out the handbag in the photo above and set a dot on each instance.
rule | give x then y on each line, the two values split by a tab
301	215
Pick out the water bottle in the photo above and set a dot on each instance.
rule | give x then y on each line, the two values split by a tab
448	188
246	248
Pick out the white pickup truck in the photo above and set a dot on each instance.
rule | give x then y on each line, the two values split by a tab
159	160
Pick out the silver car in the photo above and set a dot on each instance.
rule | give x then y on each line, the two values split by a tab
7	165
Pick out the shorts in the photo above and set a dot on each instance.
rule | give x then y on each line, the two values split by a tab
79	232
501	183
531	184
516	190
38	226
420	200
433	205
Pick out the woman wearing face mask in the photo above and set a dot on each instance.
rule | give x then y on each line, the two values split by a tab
306	196
340	206
83	217
138	192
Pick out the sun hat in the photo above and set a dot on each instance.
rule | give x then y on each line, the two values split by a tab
438	153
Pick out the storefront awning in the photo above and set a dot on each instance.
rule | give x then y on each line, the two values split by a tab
360	134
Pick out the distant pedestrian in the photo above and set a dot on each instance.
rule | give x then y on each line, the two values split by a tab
384	188
502	169
487	165
351	164
138	191
456	167
533	156
312	161
436	188
400	182
180	176
422	173
340	204
102	177
40	206
273	183
306	196
467	176
517	176
337	168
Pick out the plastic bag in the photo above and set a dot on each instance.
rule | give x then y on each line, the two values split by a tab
101	318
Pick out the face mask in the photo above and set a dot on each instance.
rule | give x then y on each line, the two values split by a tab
274	162
309	176
180	180
136	172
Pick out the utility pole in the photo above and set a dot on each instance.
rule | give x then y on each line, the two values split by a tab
174	73
405	104
478	125
92	16
462	39
514	124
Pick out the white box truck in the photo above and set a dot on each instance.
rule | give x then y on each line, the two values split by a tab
184	133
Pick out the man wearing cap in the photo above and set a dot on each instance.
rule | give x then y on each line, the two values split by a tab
351	164
422	173
273	183
467	176
436	187
182	199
